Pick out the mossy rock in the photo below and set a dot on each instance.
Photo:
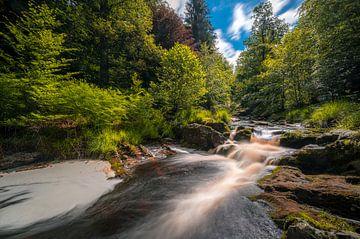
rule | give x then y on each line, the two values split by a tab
297	139
220	127
199	136
243	133
339	157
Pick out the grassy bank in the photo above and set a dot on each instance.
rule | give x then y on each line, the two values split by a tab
334	114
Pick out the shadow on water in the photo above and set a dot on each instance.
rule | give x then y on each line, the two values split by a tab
14	199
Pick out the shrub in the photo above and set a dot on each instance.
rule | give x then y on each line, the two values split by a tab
199	115
222	116
106	141
299	115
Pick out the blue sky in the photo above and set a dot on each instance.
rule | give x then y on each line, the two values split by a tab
232	20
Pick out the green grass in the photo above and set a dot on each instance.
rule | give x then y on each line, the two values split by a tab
338	114
203	116
299	115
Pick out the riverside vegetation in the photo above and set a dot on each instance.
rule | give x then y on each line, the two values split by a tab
82	79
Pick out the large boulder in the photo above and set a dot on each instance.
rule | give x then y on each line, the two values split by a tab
339	157
299	139
242	133
313	206
200	136
219	126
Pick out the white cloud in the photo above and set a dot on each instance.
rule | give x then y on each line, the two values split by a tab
241	21
178	5
291	16
278	5
226	48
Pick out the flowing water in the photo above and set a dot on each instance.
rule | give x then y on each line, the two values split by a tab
190	195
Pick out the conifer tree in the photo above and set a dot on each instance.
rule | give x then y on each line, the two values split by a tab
197	18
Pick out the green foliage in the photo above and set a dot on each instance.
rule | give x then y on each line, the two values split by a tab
336	25
340	114
107	141
33	49
222	116
80	102
219	79
198	115
315	62
258	92
267	30
181	80
299	115
113	41
94	103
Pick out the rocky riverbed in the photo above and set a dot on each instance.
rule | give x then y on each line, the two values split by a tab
314	190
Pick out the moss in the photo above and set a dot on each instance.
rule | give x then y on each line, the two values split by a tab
322	221
118	167
273	173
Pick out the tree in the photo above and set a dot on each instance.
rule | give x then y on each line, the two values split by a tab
33	49
289	72
168	28
267	30
181	80
31	59
196	17
337	28
219	79
113	41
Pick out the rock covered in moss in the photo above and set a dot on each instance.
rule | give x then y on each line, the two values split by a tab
219	126
242	133
299	202
200	136
339	157
299	139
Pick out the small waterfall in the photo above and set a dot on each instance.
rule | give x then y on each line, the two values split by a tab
241	165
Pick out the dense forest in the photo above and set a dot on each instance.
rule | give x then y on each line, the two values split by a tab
85	77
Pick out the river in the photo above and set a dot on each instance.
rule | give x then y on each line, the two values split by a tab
193	194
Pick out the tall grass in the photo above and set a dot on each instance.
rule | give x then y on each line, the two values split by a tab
299	115
199	115
339	114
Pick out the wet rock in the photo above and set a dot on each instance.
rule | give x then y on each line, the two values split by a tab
243	133
323	191
200	136
220	127
299	202
327	138
297	139
339	157
19	159
302	230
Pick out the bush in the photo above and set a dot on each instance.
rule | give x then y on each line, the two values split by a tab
198	115
299	115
